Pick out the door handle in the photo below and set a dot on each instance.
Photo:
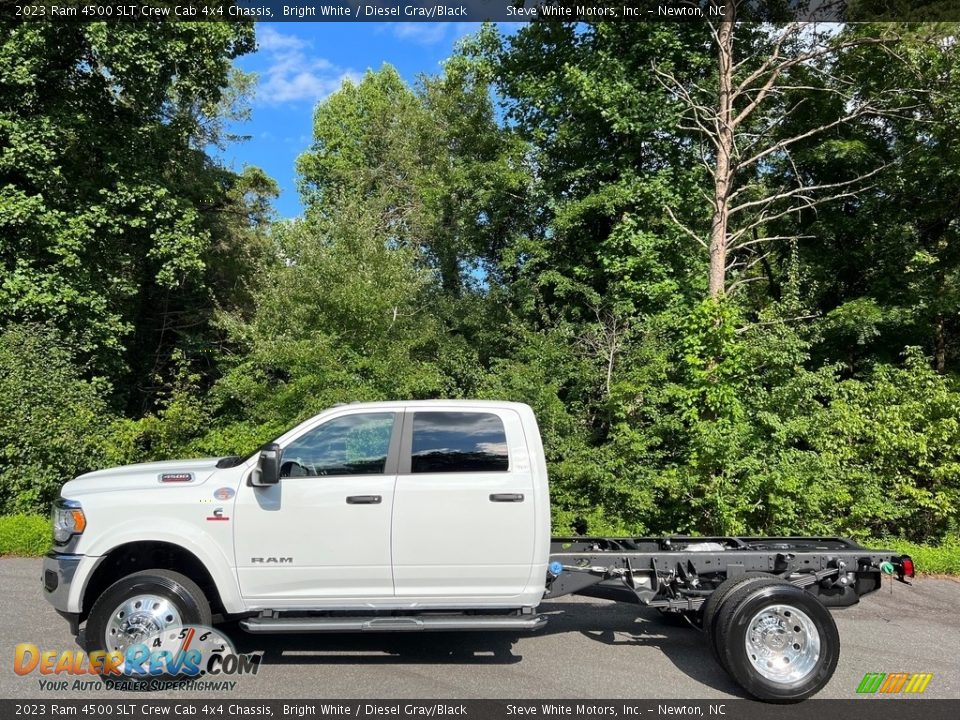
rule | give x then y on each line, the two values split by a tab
363	499
506	497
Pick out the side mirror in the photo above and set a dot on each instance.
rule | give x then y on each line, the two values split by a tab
267	471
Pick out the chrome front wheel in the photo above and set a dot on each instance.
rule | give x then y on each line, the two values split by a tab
142	604
138	618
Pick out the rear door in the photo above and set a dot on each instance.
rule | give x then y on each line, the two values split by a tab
463	516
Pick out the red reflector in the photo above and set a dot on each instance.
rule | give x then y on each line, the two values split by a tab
176	477
907	565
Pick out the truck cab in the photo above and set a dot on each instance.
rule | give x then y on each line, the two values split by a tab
398	506
366	506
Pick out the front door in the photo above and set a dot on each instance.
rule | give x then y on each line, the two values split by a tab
323	531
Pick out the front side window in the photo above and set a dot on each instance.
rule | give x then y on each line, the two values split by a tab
458	442
348	445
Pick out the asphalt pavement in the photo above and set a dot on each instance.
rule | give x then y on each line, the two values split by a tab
589	649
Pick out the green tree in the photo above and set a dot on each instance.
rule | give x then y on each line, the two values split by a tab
884	270
116	222
727	416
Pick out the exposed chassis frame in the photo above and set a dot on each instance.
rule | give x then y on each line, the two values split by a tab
678	573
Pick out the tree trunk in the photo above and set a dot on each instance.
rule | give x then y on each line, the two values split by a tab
939	345
723	173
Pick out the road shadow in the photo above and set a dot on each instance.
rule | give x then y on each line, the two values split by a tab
610	623
627	624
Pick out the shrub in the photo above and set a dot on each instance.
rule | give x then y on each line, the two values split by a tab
53	423
26	535
943	559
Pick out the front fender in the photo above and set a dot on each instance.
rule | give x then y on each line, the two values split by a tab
206	546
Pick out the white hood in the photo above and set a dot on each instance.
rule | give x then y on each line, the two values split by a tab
141	475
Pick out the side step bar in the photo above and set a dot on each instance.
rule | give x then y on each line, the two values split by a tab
391	624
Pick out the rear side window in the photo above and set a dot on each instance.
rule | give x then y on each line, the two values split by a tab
458	442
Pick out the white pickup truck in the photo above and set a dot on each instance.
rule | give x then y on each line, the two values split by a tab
425	515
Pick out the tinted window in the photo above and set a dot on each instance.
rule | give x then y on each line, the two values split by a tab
458	442
349	445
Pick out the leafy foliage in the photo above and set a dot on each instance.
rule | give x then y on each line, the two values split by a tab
941	559
533	252
53	423
116	223
27	535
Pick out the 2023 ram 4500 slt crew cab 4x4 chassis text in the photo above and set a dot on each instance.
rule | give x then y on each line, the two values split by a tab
427	515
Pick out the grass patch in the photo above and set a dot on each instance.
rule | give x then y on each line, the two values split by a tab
27	535
943	559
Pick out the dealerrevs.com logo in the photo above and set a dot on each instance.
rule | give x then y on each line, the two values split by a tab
894	683
188	657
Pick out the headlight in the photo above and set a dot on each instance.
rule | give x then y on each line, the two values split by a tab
68	520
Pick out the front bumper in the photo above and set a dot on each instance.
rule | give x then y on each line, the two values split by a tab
57	577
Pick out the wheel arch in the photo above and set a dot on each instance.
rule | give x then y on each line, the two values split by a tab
133	556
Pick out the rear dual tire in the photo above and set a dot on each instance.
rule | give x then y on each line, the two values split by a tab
712	606
775	639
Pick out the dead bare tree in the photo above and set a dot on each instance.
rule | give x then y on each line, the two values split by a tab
605	341
743	133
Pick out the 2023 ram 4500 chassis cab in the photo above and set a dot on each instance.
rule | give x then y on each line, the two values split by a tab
431	515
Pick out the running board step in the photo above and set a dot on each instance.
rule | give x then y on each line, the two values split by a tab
390	624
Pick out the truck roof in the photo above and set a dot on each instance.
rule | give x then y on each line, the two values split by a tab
437	403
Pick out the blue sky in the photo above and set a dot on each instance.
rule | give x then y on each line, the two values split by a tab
301	63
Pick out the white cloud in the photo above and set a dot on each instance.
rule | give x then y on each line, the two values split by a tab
421	32
292	73
271	40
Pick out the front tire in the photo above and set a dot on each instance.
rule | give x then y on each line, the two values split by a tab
142	604
777	641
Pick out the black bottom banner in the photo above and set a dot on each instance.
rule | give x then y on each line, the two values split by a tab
865	709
